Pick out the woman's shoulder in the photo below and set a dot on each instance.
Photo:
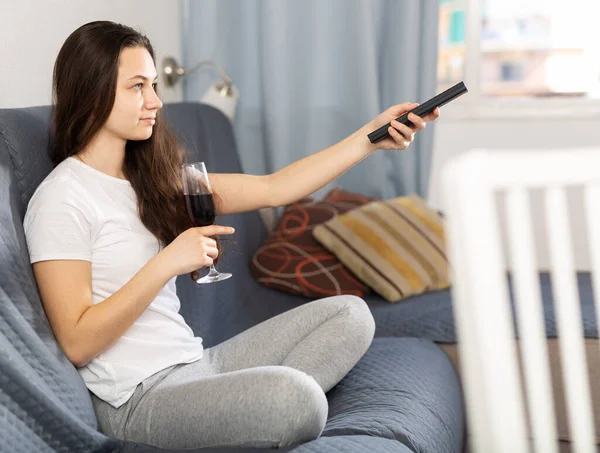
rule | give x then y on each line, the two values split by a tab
62	186
60	180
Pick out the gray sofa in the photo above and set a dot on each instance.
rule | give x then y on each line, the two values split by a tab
403	396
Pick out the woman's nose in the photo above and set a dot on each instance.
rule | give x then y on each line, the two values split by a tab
153	102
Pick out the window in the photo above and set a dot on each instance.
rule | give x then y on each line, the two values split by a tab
452	48
523	48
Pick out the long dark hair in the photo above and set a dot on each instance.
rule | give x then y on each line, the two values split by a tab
83	92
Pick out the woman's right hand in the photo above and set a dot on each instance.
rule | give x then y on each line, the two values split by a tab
192	249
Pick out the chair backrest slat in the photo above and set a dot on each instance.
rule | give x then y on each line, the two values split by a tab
591	198
570	328
530	318
509	395
495	408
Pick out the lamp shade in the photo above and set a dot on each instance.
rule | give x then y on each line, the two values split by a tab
223	97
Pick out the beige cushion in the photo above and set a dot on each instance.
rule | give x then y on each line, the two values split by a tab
394	246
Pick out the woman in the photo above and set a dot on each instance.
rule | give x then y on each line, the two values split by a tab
108	234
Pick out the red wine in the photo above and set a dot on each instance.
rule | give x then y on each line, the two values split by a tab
201	209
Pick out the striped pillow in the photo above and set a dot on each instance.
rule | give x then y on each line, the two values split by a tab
394	246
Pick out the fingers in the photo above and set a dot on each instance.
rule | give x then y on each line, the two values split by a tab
401	141
402	134
212	252
433	115
213	230
405	131
419	123
399	109
210	247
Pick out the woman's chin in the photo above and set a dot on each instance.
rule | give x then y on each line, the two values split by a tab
145	135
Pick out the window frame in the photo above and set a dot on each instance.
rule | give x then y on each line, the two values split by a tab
474	106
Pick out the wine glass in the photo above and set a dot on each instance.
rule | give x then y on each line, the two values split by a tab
200	206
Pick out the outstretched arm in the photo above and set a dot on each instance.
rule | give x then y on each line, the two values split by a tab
240	193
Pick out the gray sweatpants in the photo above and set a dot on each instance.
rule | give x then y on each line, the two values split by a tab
264	387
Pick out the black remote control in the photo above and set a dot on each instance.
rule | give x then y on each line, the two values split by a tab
421	110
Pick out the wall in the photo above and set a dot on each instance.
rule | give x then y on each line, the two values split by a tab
455	135
32	32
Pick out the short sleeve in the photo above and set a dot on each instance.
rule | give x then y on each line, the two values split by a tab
58	224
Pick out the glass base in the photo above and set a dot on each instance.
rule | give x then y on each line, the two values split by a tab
213	278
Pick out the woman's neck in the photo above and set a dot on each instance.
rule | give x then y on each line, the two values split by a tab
105	153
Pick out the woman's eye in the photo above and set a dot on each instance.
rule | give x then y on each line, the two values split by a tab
138	85
154	85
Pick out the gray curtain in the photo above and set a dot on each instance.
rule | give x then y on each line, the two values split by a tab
311	72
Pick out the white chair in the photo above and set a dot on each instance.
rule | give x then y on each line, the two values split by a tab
505	413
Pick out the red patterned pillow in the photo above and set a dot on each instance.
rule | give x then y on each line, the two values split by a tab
291	260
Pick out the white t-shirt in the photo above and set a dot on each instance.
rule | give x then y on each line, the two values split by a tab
80	213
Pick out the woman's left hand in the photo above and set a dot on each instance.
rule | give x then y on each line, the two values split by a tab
400	135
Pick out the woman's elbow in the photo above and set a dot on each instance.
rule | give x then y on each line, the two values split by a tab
75	353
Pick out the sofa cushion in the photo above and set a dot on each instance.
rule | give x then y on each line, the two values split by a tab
290	259
351	444
338	444
24	136
395	246
403	389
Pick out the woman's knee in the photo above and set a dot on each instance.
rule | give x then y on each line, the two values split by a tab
302	405
360	319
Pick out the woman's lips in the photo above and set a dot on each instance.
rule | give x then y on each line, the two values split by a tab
149	120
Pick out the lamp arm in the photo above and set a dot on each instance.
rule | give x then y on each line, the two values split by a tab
172	72
182	71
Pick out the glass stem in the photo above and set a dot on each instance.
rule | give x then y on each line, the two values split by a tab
213	272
